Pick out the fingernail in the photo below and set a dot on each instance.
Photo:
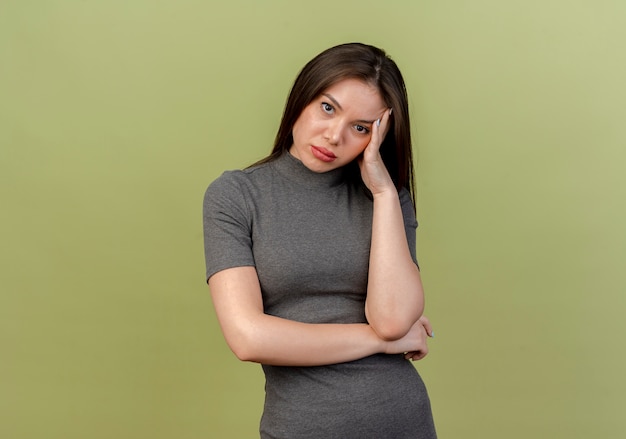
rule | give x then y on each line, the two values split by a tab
378	123
432	334
390	111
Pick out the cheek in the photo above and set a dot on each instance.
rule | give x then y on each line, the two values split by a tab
361	142
303	124
357	146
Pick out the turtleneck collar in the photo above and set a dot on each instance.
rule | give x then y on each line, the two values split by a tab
294	170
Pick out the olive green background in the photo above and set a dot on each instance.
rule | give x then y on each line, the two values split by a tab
115	116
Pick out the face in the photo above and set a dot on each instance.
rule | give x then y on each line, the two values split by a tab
335	127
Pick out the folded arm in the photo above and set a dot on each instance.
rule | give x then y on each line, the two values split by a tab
395	297
255	336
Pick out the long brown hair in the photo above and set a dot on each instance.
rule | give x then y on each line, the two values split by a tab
373	66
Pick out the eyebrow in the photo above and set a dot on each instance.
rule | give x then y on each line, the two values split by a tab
338	105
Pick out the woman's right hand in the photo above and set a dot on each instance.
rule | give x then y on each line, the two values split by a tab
414	344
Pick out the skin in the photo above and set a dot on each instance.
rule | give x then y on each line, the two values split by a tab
339	122
347	122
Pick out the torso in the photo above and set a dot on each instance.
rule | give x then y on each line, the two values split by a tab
310	244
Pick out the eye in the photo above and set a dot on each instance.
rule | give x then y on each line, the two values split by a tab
361	129
327	108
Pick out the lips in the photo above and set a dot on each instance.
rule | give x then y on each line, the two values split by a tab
323	154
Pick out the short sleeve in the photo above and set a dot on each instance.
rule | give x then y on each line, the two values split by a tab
227	226
410	222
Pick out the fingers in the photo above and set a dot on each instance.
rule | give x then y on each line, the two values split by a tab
416	355
427	326
383	125
423	351
387	117
380	129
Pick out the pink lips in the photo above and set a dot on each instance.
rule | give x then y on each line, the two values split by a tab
323	154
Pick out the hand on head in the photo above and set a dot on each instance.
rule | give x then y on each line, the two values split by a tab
373	170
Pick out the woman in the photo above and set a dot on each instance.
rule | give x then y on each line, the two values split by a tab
310	258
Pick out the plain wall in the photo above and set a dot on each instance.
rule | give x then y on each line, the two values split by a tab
116	115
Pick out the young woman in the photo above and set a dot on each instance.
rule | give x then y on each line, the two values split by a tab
310	257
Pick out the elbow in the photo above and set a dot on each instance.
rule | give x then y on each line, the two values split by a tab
390	330
243	346
243	354
393	326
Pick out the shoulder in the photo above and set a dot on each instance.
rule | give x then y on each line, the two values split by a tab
234	182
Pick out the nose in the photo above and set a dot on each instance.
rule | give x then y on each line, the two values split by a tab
333	132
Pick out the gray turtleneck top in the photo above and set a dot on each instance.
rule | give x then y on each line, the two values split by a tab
308	235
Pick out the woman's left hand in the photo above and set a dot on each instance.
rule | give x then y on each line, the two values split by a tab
373	170
428	328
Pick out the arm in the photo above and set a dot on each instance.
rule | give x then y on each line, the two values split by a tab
255	336
395	297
